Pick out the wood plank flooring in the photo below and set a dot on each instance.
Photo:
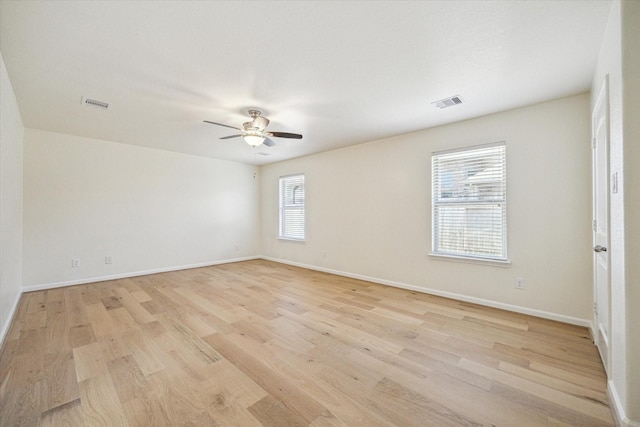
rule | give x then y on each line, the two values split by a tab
260	343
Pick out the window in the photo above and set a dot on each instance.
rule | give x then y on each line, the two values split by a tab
469	209
292	207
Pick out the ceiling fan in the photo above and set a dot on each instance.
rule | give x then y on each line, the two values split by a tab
254	133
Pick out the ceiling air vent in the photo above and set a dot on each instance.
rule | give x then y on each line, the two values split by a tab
447	102
93	103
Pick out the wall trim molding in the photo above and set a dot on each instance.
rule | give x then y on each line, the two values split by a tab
617	408
87	280
12	313
460	297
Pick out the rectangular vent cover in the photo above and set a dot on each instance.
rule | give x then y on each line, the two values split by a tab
93	103
447	102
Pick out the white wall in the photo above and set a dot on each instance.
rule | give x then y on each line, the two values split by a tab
11	133
619	60
150	210
368	210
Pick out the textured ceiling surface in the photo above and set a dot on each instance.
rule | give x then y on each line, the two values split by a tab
340	73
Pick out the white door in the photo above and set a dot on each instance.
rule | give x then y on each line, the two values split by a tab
600	123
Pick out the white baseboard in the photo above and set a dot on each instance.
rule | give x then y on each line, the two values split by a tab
459	297
86	280
618	409
7	325
509	307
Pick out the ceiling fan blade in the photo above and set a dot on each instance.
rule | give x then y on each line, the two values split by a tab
220	124
230	136
286	135
268	142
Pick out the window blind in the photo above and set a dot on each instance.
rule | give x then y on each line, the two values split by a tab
292	207
469	202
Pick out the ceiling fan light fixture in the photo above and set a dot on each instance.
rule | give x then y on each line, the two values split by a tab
253	140
254	132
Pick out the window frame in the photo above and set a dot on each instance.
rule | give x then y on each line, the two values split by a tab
438	202
283	207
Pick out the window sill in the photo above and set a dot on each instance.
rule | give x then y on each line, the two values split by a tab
291	239
467	260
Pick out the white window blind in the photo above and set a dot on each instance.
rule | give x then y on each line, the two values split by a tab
292	207
469	202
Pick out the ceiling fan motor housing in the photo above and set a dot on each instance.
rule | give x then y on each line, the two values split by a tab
260	122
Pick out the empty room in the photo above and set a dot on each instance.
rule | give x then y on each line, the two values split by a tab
319	213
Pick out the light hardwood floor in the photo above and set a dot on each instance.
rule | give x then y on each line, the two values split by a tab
261	343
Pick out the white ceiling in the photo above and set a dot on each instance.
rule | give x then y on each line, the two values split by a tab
340	73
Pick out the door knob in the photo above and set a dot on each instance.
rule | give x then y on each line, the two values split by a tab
598	248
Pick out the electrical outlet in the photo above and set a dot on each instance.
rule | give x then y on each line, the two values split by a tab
108	259
75	262
519	283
